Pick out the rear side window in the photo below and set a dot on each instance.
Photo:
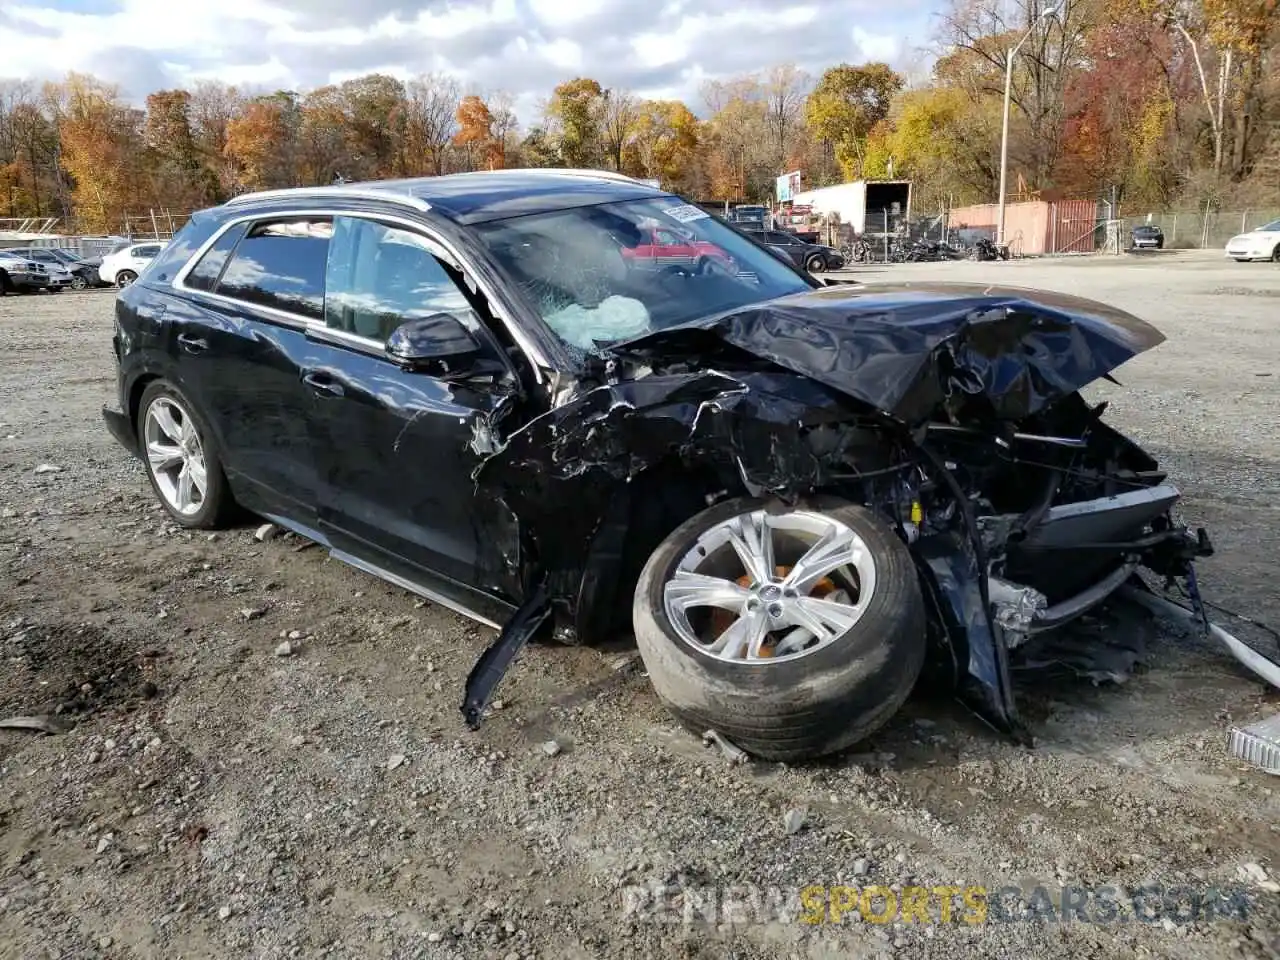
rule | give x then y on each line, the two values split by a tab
380	276
204	275
145	253
280	264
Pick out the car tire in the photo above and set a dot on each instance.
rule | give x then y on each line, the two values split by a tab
6	286
79	283
1275	254
816	263
215	507
818	702
124	278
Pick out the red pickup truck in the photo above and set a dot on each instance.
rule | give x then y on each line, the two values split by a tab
661	248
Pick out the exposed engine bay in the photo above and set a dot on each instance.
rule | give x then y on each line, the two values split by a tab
953	412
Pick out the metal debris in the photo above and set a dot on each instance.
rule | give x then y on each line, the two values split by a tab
41	724
1258	745
733	753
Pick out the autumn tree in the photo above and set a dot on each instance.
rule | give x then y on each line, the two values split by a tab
618	113
259	142
100	141
573	118
504	128
942	140
986	31
740	159
211	107
431	110
538	148
664	144
323	137
475	131
375	126
846	104
29	148
784	88
177	174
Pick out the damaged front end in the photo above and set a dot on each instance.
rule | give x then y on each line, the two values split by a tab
952	411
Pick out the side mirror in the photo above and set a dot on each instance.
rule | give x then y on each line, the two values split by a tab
440	339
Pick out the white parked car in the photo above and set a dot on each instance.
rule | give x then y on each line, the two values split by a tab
1262	243
123	265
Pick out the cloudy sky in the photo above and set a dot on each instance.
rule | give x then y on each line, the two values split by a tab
658	48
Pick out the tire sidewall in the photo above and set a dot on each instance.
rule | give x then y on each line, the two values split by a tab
687	672
816	263
125	278
216	493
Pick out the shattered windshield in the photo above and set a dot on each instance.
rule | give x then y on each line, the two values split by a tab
602	274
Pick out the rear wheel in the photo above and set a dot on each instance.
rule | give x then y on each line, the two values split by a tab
6	286
816	263
793	631
125	277
182	459
1275	254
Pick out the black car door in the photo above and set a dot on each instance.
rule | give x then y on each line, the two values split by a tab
241	346
786	245
398	447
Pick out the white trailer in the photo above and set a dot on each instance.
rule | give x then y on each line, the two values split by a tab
869	207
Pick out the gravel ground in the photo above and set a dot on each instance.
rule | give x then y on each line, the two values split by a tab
218	794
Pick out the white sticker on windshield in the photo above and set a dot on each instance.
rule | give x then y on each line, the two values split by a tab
684	212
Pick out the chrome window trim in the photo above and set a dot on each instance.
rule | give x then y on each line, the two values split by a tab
321	193
446	252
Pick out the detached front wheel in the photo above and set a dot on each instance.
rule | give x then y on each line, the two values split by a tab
793	631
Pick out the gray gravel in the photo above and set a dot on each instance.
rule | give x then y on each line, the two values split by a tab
296	781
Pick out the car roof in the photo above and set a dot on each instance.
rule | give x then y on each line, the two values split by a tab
477	197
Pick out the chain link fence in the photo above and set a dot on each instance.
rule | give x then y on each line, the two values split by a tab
1204	230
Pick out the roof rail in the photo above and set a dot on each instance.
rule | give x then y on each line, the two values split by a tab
360	193
580	172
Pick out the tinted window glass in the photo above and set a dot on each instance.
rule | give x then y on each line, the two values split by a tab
147	252
205	274
380	276
280	264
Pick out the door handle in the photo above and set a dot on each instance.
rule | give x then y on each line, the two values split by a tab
324	384
192	344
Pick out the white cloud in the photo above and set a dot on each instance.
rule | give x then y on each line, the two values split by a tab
654	47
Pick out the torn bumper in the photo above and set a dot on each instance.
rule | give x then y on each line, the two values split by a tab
1105	541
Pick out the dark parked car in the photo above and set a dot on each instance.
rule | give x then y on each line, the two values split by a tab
798	494
84	273
1147	236
813	257
18	274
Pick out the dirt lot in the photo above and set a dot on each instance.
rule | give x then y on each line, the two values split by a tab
214	798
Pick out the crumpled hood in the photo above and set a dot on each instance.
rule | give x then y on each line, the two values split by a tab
903	348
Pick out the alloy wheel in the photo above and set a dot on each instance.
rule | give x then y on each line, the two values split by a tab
760	588
175	454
